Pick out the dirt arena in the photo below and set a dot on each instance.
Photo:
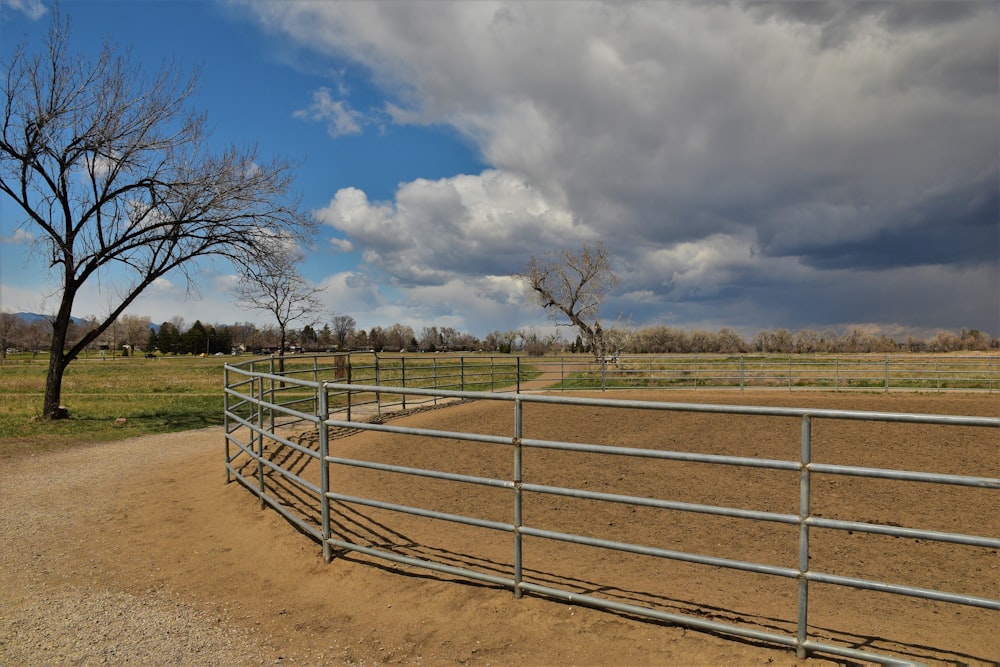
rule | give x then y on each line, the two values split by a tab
138	551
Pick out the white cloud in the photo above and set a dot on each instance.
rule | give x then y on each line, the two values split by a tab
33	9
482	305
697	268
468	225
339	117
19	237
19	298
342	245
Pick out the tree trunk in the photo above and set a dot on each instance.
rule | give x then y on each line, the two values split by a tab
58	358
51	408
281	352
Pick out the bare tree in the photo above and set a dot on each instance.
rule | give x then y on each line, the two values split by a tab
275	286
135	331
399	337
113	172
35	335
10	327
573	285
429	339
619	338
343	328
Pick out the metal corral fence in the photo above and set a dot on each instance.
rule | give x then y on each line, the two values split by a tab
489	372
263	455
804	371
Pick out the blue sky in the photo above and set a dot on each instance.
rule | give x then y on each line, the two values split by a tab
802	165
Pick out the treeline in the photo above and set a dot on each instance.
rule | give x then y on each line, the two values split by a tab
667	340
135	335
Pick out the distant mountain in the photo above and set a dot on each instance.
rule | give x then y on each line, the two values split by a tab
31	318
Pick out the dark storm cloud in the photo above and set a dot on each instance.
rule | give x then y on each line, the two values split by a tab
958	228
840	21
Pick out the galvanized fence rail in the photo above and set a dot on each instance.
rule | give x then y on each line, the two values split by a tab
857	372
259	403
864	372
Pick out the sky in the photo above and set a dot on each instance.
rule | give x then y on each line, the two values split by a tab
752	165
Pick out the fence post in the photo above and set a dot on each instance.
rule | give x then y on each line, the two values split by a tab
518	497
887	373
518	387
742	373
324	471
225	419
402	377
804	493
378	394
271	412
461	372
260	439
349	392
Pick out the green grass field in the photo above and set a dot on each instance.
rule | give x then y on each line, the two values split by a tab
170	394
152	395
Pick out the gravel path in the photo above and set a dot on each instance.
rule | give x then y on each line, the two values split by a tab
54	609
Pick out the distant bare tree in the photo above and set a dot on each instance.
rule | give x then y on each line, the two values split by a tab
243	334
274	286
35	335
134	331
620	338
9	329
945	341
113	172
573	285
399	337
429	339
343	329
730	342
973	339
806	341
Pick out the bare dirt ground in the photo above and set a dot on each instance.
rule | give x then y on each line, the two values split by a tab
139	552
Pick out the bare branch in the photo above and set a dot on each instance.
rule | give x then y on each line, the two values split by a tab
275	286
114	171
573	285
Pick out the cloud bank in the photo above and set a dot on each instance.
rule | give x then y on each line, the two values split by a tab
749	164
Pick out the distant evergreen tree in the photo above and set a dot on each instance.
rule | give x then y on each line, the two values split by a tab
195	339
168	340
308	336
